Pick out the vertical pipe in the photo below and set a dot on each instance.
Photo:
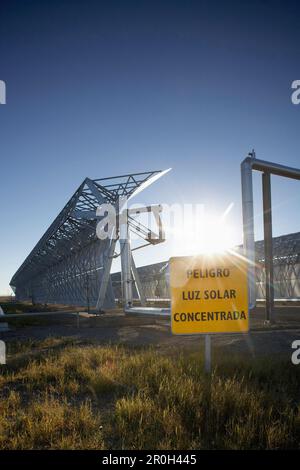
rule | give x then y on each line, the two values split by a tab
267	206
248	226
125	253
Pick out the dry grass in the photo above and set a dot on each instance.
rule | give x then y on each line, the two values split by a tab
57	395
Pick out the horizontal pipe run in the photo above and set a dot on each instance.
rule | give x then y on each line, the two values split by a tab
275	168
248	226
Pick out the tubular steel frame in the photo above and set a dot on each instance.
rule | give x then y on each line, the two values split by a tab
267	168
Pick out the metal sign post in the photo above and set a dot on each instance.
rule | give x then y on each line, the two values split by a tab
207	354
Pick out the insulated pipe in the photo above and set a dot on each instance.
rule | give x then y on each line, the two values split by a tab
248	226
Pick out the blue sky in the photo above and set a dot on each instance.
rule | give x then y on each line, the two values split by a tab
103	88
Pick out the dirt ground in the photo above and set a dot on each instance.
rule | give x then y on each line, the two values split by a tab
116	327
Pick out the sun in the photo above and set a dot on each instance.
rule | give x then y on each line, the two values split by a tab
208	235
215	238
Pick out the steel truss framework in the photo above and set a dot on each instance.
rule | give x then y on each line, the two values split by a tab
68	264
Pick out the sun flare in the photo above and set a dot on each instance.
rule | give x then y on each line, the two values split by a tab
212	235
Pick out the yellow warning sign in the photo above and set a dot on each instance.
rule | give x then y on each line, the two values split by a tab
209	294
